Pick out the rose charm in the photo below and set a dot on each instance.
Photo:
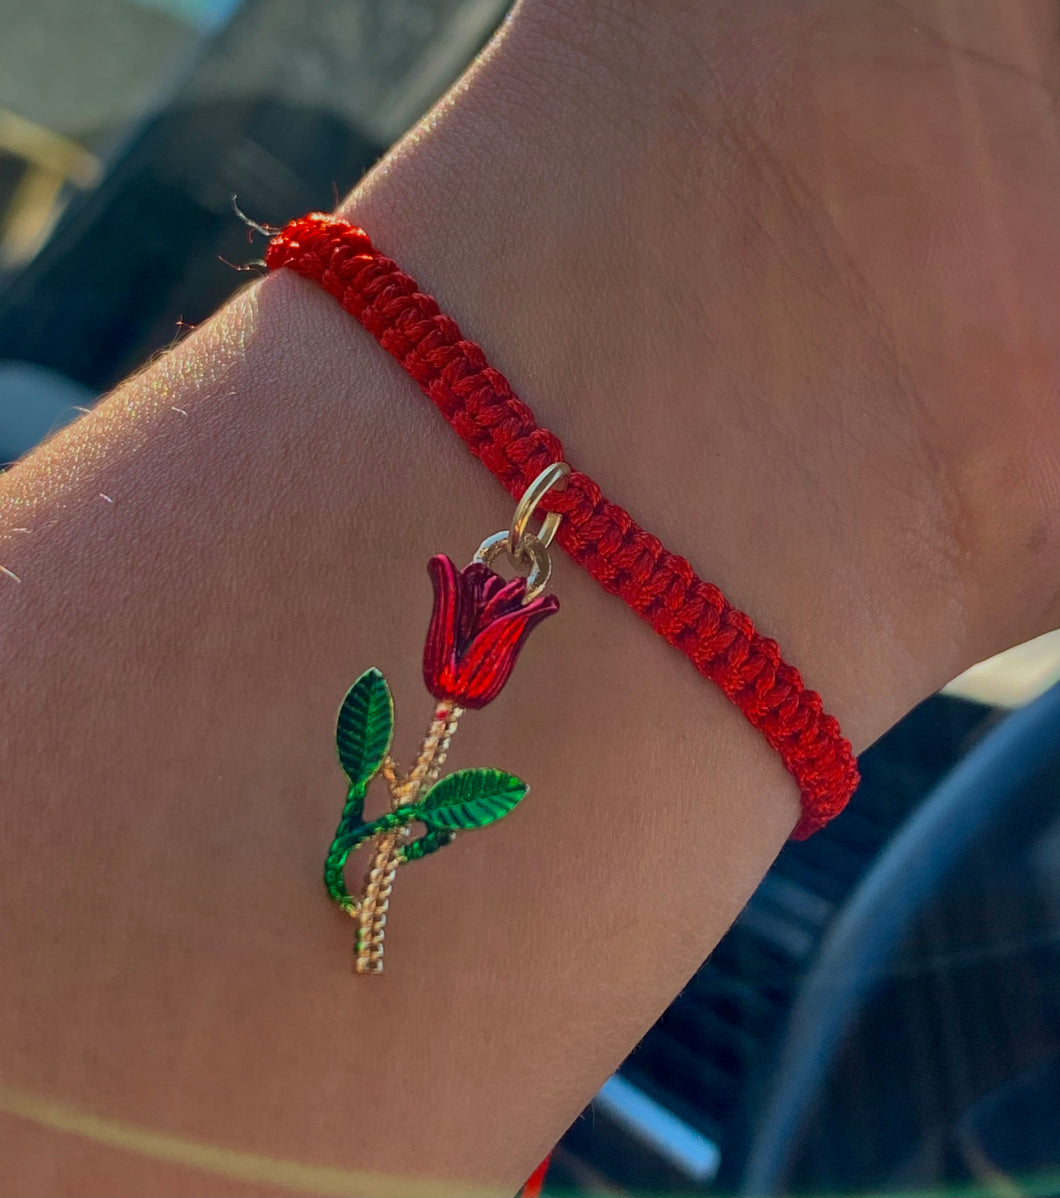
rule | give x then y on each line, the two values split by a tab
478	626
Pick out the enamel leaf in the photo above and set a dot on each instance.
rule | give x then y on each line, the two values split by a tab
366	726
470	799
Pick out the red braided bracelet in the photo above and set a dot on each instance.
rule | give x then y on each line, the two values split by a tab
660	586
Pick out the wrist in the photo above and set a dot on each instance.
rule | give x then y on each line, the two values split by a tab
680	385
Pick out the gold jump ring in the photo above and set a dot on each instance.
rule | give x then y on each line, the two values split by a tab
533	550
532	496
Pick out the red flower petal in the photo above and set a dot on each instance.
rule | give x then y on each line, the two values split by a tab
439	652
507	597
486	666
478	582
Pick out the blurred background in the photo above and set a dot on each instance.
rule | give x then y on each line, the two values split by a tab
884	1017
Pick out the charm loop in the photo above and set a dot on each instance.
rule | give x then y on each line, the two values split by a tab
533	548
532	496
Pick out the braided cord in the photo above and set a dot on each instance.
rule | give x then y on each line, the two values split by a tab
660	586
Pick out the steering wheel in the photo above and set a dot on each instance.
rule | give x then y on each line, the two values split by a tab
924	1046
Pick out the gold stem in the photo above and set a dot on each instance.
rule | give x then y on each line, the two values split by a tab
391	773
432	753
371	914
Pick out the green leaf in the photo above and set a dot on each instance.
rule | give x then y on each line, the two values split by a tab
366	726
470	799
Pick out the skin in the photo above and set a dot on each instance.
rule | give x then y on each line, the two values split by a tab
783	279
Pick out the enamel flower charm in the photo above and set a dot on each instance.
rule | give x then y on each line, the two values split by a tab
478	626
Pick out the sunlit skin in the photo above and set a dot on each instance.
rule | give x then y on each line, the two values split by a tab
783	278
